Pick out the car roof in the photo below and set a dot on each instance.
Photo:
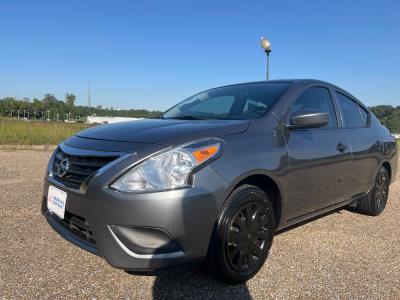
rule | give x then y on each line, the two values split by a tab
289	81
299	83
293	82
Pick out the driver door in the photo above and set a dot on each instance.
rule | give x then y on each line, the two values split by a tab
320	158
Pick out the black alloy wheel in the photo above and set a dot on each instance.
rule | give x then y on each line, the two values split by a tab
374	203
381	190
243	235
247	236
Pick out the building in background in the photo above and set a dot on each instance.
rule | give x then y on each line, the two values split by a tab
107	120
396	135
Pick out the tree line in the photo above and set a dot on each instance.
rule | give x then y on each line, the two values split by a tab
54	109
389	116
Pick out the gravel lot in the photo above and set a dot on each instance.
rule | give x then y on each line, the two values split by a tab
343	255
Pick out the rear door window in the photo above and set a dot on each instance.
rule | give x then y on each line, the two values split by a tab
350	111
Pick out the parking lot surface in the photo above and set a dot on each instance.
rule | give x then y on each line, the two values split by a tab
342	255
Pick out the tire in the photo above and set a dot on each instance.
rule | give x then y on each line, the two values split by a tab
375	202
243	235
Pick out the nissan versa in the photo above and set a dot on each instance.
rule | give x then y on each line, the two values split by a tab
217	175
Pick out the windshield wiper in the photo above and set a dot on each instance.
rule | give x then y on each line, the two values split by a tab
189	118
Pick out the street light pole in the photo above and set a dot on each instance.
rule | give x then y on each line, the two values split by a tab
266	45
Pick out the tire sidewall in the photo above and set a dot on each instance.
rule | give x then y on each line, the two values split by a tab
373	201
240	197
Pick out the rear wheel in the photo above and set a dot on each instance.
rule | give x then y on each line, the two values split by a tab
375	202
243	235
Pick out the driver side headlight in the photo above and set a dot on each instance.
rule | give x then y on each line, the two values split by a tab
170	169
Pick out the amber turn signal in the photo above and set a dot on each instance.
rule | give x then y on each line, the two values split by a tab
206	153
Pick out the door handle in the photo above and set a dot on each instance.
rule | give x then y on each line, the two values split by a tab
341	147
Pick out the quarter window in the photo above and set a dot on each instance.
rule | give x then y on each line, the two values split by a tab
319	99
364	115
350	110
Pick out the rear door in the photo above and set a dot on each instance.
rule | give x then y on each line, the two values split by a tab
320	158
364	142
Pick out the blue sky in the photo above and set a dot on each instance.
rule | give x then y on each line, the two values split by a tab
152	54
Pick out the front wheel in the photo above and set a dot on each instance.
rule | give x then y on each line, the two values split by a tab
243	235
375	202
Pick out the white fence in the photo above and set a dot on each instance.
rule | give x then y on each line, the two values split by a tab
396	135
107	120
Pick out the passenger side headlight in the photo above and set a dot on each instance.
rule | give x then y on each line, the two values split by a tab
170	169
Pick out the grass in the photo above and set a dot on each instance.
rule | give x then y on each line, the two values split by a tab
20	132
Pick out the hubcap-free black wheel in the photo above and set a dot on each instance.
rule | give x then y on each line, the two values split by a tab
247	236
374	203
243	234
381	190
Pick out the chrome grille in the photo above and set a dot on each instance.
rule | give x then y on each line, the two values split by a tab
80	167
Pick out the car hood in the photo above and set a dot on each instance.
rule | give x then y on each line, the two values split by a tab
164	131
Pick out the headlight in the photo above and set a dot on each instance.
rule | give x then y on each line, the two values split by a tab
170	169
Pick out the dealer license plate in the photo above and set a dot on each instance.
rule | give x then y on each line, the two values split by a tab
56	201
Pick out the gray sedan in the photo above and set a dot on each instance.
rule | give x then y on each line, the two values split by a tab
217	175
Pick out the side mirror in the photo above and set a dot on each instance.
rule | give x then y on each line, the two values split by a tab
308	119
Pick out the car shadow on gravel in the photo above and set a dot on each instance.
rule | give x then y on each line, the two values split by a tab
194	283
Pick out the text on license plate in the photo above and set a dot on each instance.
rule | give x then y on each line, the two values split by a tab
56	201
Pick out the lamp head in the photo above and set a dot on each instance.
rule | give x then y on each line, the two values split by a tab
265	44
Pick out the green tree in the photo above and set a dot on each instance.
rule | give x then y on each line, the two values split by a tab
70	101
48	101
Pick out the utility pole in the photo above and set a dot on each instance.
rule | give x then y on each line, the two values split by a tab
89	100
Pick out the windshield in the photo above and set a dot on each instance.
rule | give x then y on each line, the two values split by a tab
244	101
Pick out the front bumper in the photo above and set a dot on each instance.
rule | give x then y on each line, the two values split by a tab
185	216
